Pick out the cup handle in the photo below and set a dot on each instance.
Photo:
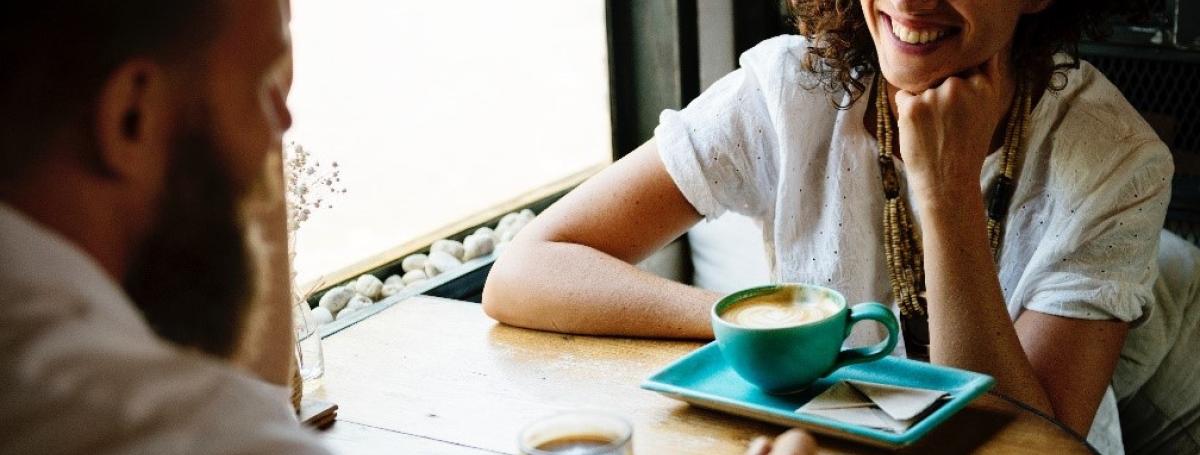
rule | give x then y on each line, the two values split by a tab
869	311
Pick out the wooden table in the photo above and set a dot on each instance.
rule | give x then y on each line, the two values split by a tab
433	376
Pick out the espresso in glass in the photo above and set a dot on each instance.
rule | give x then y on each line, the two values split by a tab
783	308
578	433
577	444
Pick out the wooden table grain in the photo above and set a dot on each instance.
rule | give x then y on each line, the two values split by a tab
434	376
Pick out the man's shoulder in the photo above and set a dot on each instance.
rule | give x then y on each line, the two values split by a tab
54	334
35	311
66	363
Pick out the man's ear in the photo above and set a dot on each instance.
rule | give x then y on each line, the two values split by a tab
1035	6
133	120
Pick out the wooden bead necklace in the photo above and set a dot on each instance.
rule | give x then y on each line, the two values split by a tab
902	242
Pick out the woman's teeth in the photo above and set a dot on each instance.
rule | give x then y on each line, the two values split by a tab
915	36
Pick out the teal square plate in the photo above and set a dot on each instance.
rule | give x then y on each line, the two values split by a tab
703	379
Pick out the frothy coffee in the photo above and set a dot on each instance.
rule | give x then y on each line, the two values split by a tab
784	308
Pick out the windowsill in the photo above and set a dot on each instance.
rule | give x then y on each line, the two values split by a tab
456	231
446	284
473	270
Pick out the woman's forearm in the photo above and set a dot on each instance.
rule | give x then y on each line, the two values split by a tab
969	323
567	287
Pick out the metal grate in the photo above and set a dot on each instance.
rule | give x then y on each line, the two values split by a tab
1165	88
1167	92
1189	231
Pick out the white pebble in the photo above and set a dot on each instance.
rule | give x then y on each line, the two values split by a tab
369	286
528	214
506	232
394	279
335	299
500	247
507	235
477	245
451	247
321	316
507	220
414	277
345	314
392	289
430	270
487	231
414	262
521	222
442	262
358	302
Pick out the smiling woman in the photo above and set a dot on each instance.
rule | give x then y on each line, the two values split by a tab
952	157
435	111
848	53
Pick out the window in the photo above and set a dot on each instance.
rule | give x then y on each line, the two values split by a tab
435	111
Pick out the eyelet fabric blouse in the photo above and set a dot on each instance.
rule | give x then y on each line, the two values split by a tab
1080	238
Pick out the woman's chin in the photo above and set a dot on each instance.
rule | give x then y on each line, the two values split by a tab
912	82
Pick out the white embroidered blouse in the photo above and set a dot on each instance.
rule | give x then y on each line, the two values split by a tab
1079	241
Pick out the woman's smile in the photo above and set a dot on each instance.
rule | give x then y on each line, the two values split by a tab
920	43
914	36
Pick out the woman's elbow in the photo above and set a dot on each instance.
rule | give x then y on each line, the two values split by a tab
495	305
498	308
502	299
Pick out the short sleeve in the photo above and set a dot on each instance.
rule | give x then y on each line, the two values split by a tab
722	150
1099	262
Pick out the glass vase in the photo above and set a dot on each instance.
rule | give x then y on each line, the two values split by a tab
309	357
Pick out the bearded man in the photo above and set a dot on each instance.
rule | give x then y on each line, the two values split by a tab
139	161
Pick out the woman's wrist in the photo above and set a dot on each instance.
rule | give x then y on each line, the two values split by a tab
947	195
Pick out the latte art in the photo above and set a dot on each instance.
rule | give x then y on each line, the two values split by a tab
775	310
784	337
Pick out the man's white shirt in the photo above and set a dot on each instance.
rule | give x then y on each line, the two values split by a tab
84	373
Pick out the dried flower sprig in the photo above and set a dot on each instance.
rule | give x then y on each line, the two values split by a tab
310	186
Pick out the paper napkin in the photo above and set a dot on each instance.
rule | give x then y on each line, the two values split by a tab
886	407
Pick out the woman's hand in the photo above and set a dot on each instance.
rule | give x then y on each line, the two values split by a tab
793	442
947	130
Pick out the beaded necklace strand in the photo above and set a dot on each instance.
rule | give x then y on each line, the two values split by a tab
902	242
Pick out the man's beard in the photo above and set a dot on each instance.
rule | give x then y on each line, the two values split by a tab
194	277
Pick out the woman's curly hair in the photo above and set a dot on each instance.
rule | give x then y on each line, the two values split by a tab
842	54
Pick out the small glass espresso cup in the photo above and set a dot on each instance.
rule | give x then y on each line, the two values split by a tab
578	433
787	352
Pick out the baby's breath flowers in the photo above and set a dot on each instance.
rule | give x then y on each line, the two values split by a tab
311	185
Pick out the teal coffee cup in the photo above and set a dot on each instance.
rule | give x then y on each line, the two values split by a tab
784	337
